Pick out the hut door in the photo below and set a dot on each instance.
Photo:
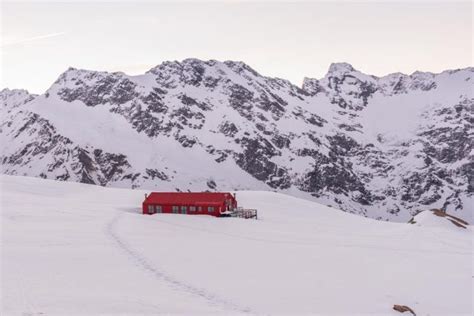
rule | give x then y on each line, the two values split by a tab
151	209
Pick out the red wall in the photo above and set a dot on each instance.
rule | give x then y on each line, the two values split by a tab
167	208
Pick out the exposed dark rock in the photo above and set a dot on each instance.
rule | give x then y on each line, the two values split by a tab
403	309
211	184
156	174
228	129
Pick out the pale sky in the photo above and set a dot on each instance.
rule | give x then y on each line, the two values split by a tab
291	40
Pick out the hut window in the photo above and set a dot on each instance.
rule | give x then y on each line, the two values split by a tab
150	209
158	208
210	209
183	209
175	209
199	208
192	208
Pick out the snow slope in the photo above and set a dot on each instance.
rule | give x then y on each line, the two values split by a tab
77	249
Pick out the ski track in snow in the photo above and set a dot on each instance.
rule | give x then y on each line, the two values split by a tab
29	304
159	275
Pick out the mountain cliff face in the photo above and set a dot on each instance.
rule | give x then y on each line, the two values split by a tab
383	147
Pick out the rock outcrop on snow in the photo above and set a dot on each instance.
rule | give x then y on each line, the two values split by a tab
383	147
437	217
403	309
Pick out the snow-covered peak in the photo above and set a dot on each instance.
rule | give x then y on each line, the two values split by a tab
343	71
78	76
344	86
8	93
239	67
340	68
174	65
194	71
191	71
11	98
93	87
312	86
189	64
422	74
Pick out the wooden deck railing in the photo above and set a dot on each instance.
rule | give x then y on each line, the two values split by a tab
244	213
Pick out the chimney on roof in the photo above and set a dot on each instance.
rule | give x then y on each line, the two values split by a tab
146	196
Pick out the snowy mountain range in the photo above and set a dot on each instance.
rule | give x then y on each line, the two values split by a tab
383	147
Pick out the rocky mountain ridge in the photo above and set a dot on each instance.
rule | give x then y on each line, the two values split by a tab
383	147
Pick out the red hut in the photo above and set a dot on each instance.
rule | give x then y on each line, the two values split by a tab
209	203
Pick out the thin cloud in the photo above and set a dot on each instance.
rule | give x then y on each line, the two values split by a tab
31	39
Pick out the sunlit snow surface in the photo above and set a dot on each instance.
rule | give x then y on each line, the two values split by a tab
75	249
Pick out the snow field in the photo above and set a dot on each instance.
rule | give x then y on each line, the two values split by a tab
75	249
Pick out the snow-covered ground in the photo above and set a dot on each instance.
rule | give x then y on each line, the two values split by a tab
76	249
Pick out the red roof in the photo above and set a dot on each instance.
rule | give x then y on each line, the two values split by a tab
188	198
